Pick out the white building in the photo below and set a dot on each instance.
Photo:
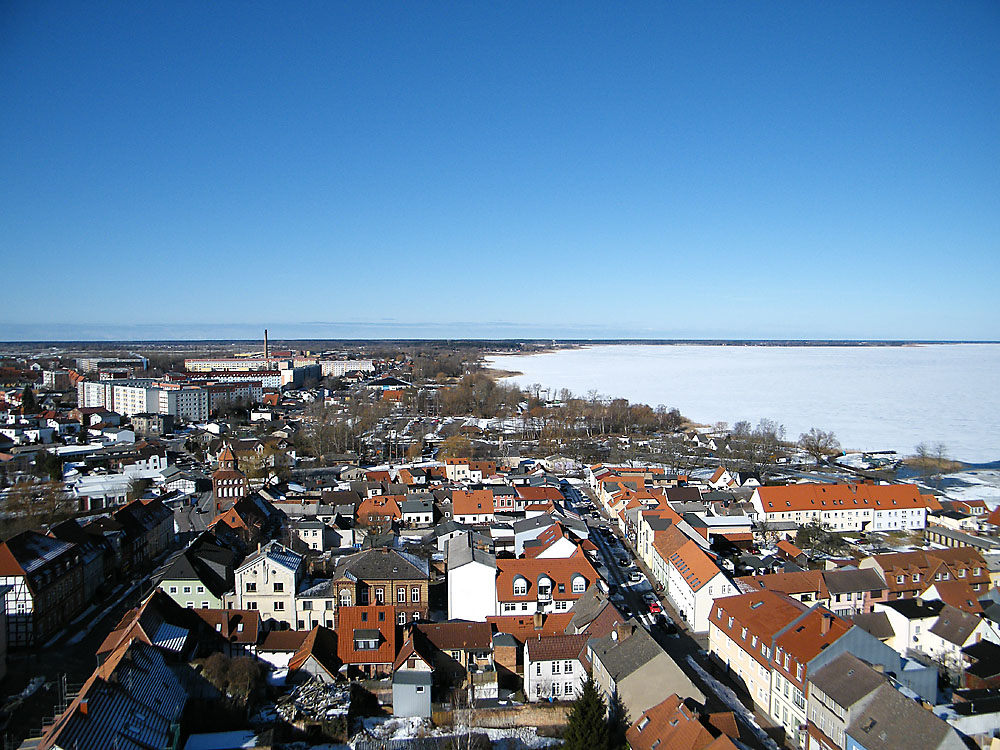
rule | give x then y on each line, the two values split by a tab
472	588
844	507
267	581
552	667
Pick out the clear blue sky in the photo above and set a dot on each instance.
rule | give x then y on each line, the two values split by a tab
798	169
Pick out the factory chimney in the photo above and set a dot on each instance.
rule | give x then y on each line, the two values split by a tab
266	351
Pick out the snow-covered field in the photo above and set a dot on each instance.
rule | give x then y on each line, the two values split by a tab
873	398
976	484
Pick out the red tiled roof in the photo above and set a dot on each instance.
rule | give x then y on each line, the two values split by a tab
815	496
560	571
549	647
352	619
471	502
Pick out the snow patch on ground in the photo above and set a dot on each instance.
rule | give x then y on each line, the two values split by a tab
398	727
517	738
728	697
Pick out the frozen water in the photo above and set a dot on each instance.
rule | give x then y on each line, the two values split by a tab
872	397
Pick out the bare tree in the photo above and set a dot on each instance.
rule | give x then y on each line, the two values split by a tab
819	443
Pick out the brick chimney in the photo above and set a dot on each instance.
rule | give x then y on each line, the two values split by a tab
824	625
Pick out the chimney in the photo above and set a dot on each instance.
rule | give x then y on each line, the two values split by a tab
265	345
84	708
824	626
539	620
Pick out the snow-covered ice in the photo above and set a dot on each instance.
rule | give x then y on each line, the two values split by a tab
873	398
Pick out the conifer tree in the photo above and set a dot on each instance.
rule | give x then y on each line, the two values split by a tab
28	400
587	728
618	723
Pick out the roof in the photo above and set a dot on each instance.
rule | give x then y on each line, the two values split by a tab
454	636
550	647
676	724
320	644
846	679
890	717
816	496
372	622
694	566
382	564
471	502
235	625
954	625
797	582
845	580
283	640
523	627
874	623
561	571
277	553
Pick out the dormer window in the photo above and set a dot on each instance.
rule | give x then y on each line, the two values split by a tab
520	586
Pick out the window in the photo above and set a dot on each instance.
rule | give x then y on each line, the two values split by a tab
555	667
579	585
380	595
568	689
279	587
556	688
401	596
744	634
401	618
279	606
916	577
415	594
329	604
173	589
520	587
187	589
420	688
568	666
899	579
251	604
538	669
307	605
364	617
977	571
753	642
201	589
381	616
345	598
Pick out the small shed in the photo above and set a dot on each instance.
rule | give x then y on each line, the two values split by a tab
411	693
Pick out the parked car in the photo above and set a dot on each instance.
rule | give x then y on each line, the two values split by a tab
635	576
624	562
625	610
654	607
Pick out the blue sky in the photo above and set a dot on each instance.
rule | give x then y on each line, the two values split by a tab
789	170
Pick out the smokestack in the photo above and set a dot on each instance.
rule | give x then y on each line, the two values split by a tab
265	344
824	626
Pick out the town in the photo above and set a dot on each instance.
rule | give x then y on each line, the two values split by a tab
290	545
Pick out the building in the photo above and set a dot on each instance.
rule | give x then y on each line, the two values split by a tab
889	720
630	664
200	576
908	574
267	581
837	692
471	577
680	724
553	667
845	507
229	484
529	585
46	581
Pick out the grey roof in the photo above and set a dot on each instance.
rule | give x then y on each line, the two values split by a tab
466	548
846	679
587	608
874	623
623	657
846	580
416	506
411	677
890	721
447	527
382	563
954	625
540	521
277	553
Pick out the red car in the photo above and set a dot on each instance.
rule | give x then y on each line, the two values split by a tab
654	607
